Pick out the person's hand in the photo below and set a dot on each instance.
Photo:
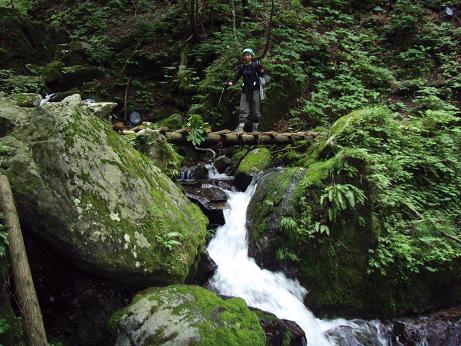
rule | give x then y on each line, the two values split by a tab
229	83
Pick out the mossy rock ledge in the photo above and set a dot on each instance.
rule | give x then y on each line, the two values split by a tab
186	315
255	162
334	266
94	198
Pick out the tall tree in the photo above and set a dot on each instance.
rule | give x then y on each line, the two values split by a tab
269	31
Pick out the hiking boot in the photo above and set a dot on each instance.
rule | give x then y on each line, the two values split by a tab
255	127
240	128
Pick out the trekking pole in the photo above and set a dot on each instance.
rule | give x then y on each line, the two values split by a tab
219	102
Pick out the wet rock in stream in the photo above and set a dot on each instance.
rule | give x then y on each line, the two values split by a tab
439	329
211	199
205	269
280	331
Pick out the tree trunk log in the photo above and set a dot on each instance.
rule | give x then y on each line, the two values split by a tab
232	138
27	297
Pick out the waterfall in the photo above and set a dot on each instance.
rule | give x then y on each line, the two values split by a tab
238	275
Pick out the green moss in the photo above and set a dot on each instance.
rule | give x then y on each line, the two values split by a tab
172	122
116	205
318	171
218	321
255	161
270	198
50	73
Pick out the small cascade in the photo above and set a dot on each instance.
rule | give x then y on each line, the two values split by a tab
238	275
186	173
213	173
46	99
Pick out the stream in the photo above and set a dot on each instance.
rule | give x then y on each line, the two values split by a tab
238	275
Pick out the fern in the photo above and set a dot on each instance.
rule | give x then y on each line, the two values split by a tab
339	197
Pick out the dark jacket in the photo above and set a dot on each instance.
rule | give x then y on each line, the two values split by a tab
250	74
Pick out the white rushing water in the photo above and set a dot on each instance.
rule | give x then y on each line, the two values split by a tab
238	275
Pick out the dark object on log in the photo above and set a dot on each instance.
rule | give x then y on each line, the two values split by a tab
27	296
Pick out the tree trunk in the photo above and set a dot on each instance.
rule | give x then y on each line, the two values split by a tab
193	18
125	101
27	297
269	31
234	25
246	9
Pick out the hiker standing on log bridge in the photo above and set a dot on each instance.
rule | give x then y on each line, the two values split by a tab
254	78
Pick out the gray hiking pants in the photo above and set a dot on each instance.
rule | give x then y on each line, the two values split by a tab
250	104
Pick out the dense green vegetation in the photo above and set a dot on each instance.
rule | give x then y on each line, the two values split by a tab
372	222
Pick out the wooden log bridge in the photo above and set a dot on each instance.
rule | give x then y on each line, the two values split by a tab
227	137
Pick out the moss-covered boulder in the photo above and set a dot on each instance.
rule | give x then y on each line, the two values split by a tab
50	72
172	122
24	40
27	99
23	84
154	144
270	203
95	199
256	161
358	227
102	110
186	315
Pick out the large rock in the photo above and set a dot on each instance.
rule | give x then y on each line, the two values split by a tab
186	315
271	201
280	332
439	329
353	226
79	186
255	162
102	110
24	84
24	40
27	99
154	144
210	198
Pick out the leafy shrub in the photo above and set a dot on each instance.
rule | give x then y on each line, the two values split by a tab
197	127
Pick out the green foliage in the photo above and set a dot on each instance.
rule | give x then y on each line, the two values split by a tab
288	224
170	240
339	197
197	127
4	326
21	5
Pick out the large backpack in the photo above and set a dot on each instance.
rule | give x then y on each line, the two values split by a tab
263	80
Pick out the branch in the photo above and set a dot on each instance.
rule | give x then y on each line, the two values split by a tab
452	237
206	149
125	100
